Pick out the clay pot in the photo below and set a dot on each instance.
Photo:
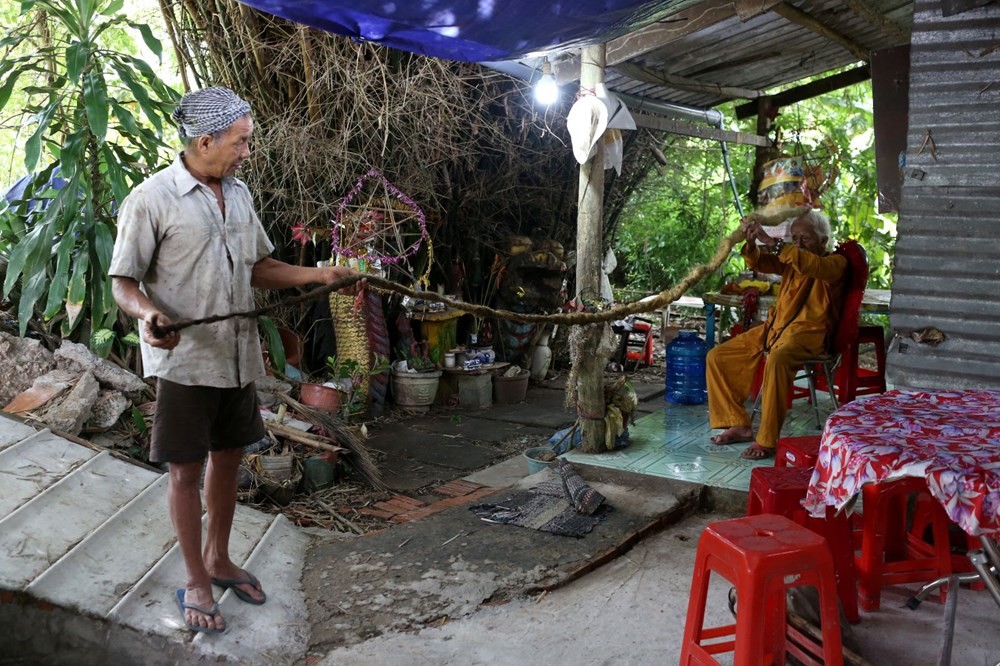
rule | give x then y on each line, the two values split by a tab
320	397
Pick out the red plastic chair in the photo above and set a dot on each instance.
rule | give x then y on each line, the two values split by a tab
761	556
845	335
851	380
639	344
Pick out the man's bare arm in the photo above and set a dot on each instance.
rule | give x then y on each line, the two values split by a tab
270	273
131	299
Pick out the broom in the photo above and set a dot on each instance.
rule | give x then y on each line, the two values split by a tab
358	456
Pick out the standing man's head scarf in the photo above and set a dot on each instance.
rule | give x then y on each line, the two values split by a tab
208	111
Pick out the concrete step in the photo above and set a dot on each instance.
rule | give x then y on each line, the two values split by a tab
150	606
45	528
90	534
278	631
12	432
133	540
33	464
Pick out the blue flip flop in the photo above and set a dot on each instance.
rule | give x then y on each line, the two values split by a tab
213	611
242	595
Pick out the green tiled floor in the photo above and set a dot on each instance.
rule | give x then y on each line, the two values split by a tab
674	443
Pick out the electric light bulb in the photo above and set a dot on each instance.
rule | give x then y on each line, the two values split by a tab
546	90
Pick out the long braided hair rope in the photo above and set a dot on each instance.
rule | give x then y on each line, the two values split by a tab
647	304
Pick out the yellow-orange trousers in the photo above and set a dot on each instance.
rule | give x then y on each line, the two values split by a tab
730	368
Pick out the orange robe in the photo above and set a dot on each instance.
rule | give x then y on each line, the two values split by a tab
796	330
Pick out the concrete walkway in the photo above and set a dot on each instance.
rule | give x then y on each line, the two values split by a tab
632	611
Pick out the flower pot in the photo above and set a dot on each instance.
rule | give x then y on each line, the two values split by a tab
508	390
415	391
317	396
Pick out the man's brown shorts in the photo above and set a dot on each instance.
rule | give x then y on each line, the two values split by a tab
190	421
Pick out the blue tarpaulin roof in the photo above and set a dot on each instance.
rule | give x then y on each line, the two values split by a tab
473	30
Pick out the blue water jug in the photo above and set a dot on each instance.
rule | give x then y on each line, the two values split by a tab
686	369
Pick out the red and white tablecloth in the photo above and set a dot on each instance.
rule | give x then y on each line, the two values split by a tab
950	438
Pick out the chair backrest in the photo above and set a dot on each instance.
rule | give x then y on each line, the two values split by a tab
854	290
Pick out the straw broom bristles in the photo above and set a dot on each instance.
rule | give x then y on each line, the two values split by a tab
359	458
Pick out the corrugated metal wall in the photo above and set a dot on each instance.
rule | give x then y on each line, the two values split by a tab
947	271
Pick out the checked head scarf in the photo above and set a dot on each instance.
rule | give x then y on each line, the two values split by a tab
208	111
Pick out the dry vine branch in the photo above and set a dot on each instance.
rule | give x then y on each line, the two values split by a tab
648	304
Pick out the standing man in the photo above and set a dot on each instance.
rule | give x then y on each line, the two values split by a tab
797	328
190	245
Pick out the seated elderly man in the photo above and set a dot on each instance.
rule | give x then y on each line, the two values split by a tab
796	329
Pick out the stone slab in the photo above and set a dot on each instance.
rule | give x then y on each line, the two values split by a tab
46	528
415	458
13	431
501	475
84	581
648	392
35	464
543	408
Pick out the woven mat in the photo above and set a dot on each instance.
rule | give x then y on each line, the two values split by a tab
551	506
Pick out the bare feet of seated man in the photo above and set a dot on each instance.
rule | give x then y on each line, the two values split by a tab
734	435
757	452
741	435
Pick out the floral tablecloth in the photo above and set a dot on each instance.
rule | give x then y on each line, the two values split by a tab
950	438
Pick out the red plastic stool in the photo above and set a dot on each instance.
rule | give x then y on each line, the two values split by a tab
889	555
780	490
797	452
761	556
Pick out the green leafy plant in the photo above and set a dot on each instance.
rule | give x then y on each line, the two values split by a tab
272	341
677	216
96	114
351	374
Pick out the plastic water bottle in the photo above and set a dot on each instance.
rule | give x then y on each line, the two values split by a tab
686	369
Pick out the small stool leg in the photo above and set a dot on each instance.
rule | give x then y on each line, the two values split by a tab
833	653
753	646
869	564
695	621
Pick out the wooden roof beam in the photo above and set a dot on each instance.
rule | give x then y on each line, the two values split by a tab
684	22
795	15
656	77
862	9
808	91
702	132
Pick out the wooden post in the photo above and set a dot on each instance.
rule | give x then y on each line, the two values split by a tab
589	226
761	155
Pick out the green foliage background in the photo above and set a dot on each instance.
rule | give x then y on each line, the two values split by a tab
94	114
678	216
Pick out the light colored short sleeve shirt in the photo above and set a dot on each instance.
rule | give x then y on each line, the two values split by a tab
192	262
